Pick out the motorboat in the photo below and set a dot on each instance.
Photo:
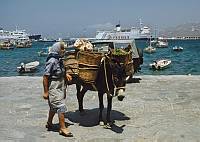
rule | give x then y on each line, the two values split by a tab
29	67
162	44
177	48
160	64
150	49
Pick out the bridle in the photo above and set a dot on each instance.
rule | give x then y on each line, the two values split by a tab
106	77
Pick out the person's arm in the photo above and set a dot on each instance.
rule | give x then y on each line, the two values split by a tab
68	77
46	87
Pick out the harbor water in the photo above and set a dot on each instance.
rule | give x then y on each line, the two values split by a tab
183	63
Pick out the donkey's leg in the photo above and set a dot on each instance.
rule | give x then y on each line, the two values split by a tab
80	94
109	108
101	107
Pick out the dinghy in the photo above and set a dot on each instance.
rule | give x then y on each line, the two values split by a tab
160	64
29	67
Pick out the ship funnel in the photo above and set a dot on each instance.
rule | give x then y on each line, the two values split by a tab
118	27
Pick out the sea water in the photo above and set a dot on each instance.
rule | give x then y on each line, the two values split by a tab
183	63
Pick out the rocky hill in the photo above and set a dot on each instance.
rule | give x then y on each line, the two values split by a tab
183	30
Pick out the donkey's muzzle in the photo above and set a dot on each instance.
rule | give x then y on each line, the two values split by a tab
120	94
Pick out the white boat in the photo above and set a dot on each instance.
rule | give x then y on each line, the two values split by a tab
177	48
13	35
150	49
141	32
23	43
162	43
29	67
160	64
6	45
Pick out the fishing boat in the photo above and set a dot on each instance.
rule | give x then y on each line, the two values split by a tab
29	67
177	48
160	64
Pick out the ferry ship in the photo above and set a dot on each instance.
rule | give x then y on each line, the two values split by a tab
13	35
142	32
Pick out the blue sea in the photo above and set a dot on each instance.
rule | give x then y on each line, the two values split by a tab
183	63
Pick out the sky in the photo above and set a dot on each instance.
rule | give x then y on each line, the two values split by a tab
64	18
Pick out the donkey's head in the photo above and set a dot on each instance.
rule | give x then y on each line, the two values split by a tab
119	78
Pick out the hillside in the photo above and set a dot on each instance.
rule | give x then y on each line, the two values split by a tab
183	30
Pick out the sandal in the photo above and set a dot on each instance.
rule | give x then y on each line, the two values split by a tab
65	134
49	126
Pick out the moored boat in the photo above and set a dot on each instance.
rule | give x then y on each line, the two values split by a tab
162	44
6	45
177	48
29	67
160	64
150	49
23	43
140	33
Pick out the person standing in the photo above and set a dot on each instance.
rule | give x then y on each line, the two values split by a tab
54	83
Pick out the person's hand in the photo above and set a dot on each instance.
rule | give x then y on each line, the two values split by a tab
69	77
46	96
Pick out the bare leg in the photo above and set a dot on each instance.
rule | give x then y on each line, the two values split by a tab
63	129
50	117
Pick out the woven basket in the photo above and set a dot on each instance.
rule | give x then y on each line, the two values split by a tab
88	74
71	66
89	58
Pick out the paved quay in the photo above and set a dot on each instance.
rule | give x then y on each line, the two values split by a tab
155	109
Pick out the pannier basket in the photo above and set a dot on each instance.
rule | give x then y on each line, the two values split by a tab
71	66
88	74
89	58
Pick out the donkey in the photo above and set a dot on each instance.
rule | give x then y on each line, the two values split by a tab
110	80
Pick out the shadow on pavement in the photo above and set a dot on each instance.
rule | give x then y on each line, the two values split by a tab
91	118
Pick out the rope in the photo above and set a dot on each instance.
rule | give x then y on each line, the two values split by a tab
105	73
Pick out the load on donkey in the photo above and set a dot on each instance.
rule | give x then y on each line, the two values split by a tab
96	71
125	51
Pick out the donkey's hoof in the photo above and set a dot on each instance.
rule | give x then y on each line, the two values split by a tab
101	123
108	126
